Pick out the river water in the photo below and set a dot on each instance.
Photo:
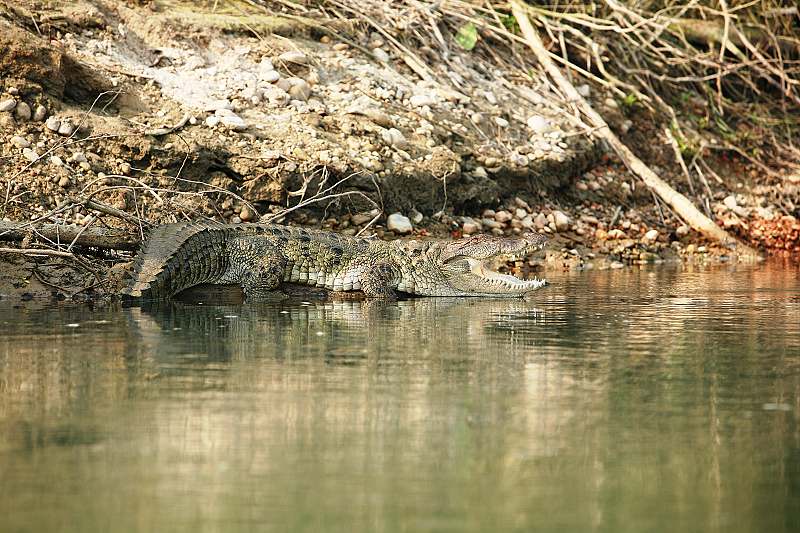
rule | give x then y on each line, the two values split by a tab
626	400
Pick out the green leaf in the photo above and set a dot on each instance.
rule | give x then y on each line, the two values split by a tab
467	36
510	22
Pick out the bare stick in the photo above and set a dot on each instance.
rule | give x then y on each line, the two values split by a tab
36	251
97	237
678	202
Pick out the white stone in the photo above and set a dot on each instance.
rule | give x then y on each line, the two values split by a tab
584	90
20	142
39	113
399	223
300	89
651	236
66	129
294	56
269	77
682	231
730	202
29	154
538	124
52	123
470	226
381	55
501	122
419	100
394	137
234	122
212	121
7	105
503	216
561	221
23	112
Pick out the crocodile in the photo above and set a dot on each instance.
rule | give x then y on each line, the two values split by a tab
260	257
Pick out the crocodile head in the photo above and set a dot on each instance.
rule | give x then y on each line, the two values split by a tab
467	269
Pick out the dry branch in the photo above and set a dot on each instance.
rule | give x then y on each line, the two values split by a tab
677	201
110	239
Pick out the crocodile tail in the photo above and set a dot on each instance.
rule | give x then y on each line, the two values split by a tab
175	257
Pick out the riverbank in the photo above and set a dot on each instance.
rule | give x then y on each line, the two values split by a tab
116	114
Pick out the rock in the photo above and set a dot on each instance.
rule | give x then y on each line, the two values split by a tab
269	77
212	121
52	123
66	129
265	66
491	223
501	122
39	113
540	221
480	172
470	226
23	112
415	216
682	231
125	169
20	142
651	236
246	214
234	122
615	234
394	137
399	224
381	55
617	264
503	216
78	157
538	124
57	161
561	221
522	203
584	90
341	47
730	202
294	56
300	89
7	104
520	213
63	182
419	100
29	154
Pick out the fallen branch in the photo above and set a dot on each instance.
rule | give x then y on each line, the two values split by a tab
110	239
36	251
677	201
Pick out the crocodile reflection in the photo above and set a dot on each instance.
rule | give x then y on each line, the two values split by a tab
344	332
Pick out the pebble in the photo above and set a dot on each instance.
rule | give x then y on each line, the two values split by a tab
491	223
538	124
419	100
234	122
522	203
561	221
20	142
270	77
63	182
682	231
399	223
294	56
341	47
470	226
415	216
503	216
23	112
730	202
520	213
394	137
300	89
57	161
66	129
480	172
615	234
617	264
501	122
212	121
246	214
30	155
125	169
39	113
651	236
584	90
7	105
381	55
540	221
52	123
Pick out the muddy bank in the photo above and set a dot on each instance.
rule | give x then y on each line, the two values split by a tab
167	110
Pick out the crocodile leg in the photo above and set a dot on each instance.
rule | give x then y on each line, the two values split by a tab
257	265
379	281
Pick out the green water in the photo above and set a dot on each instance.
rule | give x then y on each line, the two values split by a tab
629	400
